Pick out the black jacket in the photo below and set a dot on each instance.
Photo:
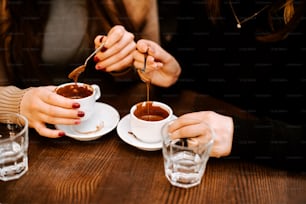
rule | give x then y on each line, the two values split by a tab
267	79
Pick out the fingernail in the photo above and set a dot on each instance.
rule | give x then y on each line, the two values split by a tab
101	39
61	134
99	67
96	59
77	122
103	49
75	105
81	114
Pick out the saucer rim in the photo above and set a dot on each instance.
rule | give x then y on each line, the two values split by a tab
127	137
98	134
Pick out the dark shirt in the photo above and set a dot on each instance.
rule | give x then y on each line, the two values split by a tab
266	79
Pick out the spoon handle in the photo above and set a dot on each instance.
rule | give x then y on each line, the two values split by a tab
95	52
145	60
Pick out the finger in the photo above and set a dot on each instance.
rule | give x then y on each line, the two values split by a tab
187	131
50	108
199	145
49	113
150	60
115	35
138	56
60	120
123	56
118	55
142	46
121	64
98	40
158	65
151	65
44	131
181	122
55	99
58	112
146	46
121	48
55	117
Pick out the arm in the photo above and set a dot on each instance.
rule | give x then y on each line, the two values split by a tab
10	98
270	141
41	106
261	140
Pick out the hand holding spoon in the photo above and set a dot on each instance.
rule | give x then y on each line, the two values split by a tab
142	76
141	71
77	71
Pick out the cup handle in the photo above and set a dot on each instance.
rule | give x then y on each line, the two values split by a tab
97	91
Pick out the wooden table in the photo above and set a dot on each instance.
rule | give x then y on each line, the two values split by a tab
108	170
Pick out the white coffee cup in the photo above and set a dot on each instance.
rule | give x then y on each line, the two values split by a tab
147	119
86	101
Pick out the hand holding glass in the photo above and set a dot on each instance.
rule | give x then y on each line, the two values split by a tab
185	159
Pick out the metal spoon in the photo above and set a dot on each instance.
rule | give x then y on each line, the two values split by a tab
145	60
77	71
141	71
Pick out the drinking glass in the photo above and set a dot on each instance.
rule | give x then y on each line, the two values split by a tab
185	159
13	146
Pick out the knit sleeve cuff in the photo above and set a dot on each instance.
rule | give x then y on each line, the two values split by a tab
10	98
243	139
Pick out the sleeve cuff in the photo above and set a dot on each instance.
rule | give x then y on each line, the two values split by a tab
10	99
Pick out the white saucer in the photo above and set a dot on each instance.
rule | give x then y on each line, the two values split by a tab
104	120
123	129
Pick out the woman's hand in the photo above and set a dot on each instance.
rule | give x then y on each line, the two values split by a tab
43	106
161	68
192	125
117	53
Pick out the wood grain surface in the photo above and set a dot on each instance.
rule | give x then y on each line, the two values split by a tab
108	170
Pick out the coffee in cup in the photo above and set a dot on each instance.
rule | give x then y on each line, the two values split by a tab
75	90
147	119
148	112
84	94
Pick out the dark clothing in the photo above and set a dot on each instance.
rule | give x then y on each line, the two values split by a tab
264	78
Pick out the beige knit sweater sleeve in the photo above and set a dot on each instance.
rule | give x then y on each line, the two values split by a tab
10	98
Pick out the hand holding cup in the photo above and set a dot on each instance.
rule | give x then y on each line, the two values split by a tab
84	94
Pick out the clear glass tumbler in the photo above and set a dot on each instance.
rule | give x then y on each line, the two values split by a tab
14	141
185	159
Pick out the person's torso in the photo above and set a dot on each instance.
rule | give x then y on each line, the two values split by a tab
226	62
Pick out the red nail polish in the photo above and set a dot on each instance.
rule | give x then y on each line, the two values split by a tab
61	134
103	49
96	59
81	114
75	105
98	67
